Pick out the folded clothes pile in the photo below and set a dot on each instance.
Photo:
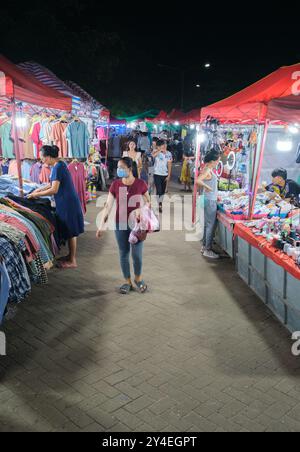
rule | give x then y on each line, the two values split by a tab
9	184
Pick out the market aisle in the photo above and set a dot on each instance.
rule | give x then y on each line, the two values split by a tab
199	352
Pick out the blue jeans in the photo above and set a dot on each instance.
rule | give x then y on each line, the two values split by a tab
124	249
210	223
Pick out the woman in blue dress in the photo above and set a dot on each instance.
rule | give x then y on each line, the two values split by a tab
68	208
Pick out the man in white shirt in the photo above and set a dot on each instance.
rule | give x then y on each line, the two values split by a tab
162	170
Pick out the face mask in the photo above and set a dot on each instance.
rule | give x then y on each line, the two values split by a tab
122	173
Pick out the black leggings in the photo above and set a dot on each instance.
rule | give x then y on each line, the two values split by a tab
161	186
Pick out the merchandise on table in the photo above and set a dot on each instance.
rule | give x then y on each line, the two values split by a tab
236	205
280	234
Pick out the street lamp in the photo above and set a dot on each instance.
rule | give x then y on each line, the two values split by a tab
182	73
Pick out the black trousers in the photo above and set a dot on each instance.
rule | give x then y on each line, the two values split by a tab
161	186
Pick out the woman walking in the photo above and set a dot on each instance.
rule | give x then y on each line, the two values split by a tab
136	156
209	181
130	194
68	207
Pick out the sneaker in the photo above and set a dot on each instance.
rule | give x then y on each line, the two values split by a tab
202	249
211	255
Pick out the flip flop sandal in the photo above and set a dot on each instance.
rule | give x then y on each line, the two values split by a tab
126	289
142	286
64	265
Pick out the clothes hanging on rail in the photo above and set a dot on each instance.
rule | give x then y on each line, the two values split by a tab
78	174
7	143
78	140
58	137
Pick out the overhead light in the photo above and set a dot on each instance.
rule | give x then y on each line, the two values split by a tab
198	86
284	145
201	137
192	126
293	129
162	123
176	123
207	65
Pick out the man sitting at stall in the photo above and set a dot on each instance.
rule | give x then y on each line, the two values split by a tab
282	186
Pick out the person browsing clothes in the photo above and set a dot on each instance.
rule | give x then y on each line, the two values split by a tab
68	207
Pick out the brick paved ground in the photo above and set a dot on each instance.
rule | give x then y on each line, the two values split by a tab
199	352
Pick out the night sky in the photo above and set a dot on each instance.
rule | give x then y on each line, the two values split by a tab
118	58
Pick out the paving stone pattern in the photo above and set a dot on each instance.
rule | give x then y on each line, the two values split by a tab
198	352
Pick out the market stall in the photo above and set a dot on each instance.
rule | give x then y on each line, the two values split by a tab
257	130
29	232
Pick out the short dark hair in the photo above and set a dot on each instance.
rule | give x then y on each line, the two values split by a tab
50	151
212	156
161	143
280	172
131	165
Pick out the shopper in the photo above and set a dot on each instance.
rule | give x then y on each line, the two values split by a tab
68	208
148	166
123	191
162	170
209	181
186	172
282	186
136	156
144	144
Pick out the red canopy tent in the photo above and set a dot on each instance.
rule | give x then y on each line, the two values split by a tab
255	104
26	88
193	117
16	86
275	98
162	116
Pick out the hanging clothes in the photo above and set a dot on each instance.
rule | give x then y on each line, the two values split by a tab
26	141
45	174
16	270
4	168
35	172
6	141
58	136
35	137
79	176
13	168
45	132
26	169
78	140
102	133
5	286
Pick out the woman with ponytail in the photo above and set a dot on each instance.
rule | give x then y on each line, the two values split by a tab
130	194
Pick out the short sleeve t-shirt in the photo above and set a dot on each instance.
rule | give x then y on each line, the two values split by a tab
128	198
161	164
291	189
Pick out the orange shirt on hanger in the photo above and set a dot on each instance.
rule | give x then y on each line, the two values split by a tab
59	138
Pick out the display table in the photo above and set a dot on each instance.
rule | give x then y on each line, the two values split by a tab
272	275
225	233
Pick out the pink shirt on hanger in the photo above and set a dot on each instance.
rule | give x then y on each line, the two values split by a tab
78	174
45	175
